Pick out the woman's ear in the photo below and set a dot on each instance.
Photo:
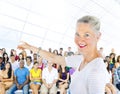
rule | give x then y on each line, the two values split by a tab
98	35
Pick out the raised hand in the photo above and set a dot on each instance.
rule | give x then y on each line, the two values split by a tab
23	45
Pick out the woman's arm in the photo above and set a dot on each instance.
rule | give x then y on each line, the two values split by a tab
44	54
31	78
8	79
61	79
68	75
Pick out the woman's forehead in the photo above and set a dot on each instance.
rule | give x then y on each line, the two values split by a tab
83	27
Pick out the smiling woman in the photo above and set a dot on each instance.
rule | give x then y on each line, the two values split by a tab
90	75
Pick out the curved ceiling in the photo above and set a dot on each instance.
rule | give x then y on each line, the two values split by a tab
51	23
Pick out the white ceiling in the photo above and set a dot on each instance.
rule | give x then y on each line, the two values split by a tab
51	23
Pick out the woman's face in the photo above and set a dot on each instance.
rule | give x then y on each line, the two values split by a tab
21	64
14	52
20	56
36	65
63	67
112	56
7	66
6	56
28	60
85	38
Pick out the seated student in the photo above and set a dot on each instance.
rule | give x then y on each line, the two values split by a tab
14	63
6	78
21	79
64	79
49	79
109	88
117	78
35	78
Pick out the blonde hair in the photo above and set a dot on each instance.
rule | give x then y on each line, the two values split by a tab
93	21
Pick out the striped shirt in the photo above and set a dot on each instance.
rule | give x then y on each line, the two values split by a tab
117	76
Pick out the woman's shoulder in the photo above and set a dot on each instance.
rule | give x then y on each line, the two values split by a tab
98	65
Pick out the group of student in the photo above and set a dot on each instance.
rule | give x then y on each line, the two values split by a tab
24	72
18	76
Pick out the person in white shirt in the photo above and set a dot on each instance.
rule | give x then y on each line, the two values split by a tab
49	78
90	75
14	63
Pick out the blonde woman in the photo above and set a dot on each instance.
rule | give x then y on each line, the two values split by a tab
90	74
6	78
35	78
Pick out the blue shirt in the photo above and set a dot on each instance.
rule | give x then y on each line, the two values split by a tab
117	76
21	75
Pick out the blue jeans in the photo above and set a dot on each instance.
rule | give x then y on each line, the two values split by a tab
14	88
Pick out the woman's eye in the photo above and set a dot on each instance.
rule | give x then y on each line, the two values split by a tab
87	35
77	34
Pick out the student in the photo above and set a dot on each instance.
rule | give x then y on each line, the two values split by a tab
21	79
6	78
35	78
63	80
49	78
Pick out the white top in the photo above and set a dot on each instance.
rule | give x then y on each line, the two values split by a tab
49	76
15	65
91	79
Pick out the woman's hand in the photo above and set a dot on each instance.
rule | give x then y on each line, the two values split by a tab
111	88
23	45
66	81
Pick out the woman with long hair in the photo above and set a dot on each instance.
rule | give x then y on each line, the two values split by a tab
112	61
6	78
5	57
64	79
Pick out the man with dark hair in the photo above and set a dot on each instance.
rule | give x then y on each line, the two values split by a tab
70	53
21	80
61	52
